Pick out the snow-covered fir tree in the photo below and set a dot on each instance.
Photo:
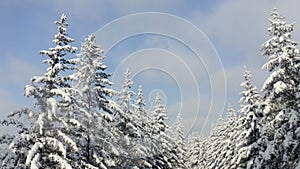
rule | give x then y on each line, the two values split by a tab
281	96
129	128
126	118
46	143
163	152
248	126
179	141
219	147
214	143
159	116
9	157
195	156
143	116
142	146
92	108
228	140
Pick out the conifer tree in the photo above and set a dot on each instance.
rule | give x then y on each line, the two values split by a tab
227	140
46	143
159	116
196	152
128	129
219	148
281	96
142	115
9	157
142	145
125	118
179	141
164	155
92	108
248	125
214	143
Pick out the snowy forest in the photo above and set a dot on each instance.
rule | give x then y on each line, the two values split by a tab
78	121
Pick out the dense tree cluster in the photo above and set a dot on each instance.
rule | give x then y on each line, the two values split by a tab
79	121
265	132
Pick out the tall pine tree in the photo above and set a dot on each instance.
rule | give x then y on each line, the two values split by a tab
92	108
47	142
248	125
128	127
53	95
179	141
164	155
195	153
281	96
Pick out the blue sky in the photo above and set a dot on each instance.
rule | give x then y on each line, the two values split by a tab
229	35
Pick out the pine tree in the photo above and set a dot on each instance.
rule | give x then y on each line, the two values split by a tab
281	96
159	116
46	143
248	125
228	140
163	154
92	108
219	148
143	117
128	129
179	141
214	143
15	120
125	118
142	146
196	152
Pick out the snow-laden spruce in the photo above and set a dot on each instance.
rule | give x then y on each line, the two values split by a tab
223	146
164	155
46	142
281	133
248	126
143	116
126	119
131	128
195	156
92	108
179	141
